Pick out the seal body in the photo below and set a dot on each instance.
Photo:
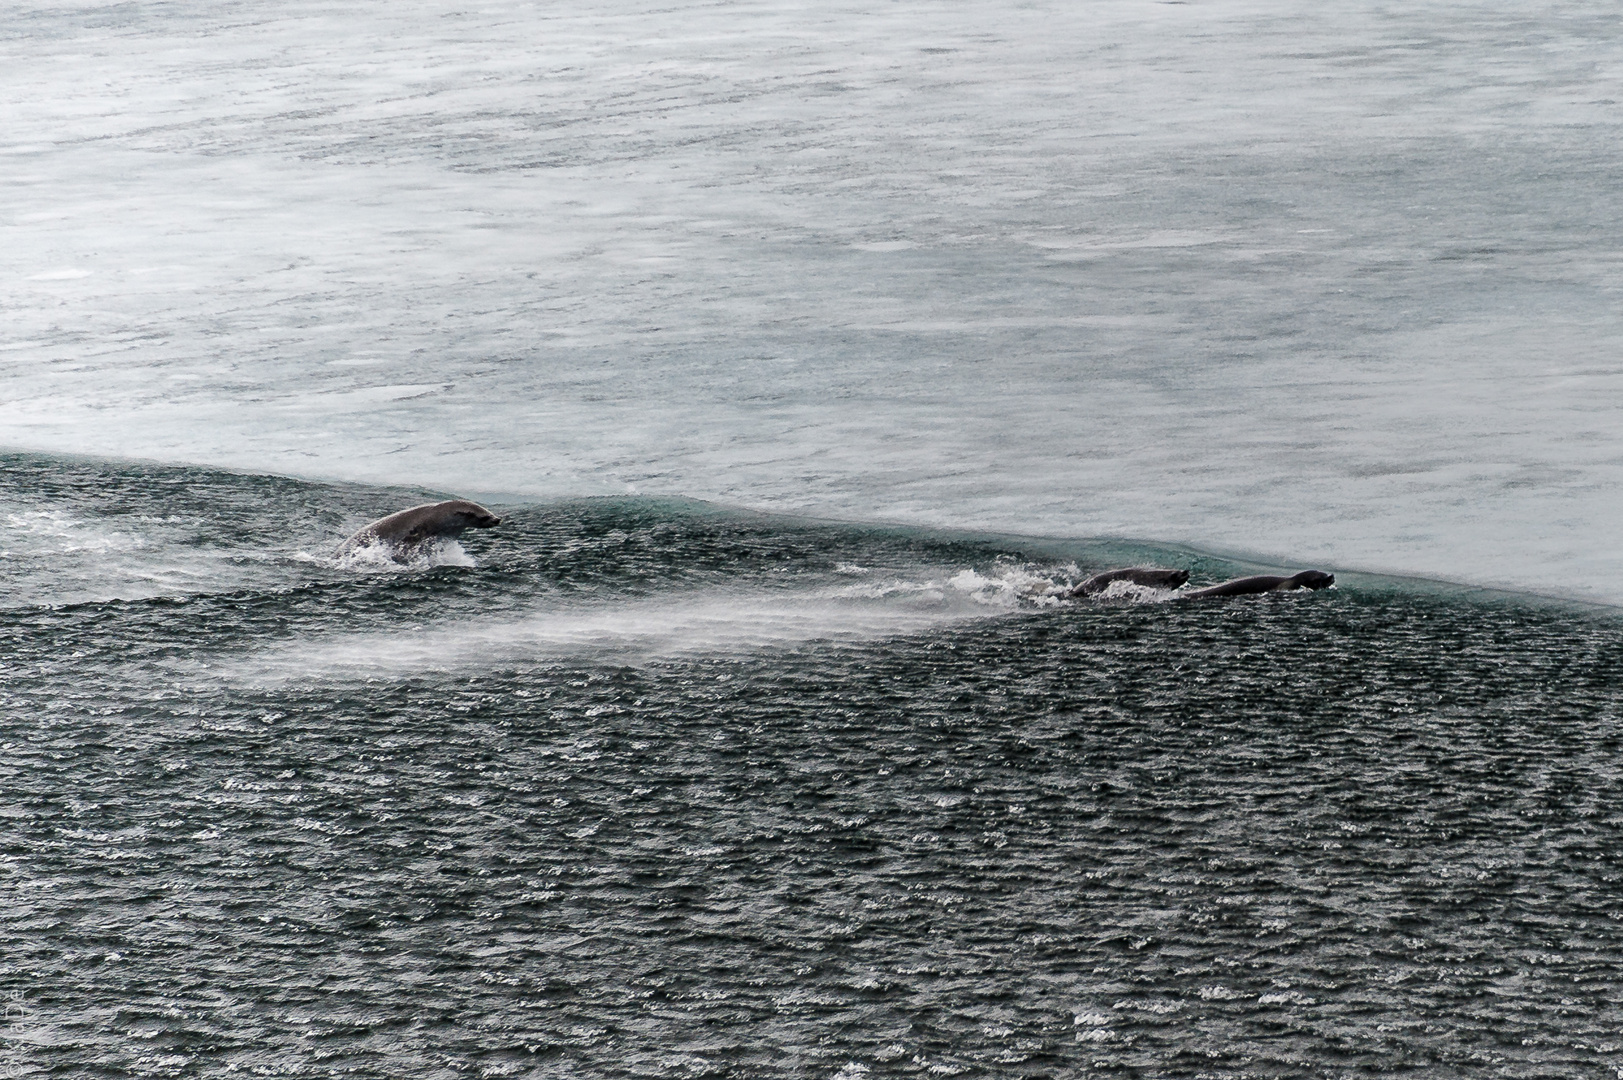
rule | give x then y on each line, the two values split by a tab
406	532
1149	576
1307	579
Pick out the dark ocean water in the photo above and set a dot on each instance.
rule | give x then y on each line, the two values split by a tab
660	789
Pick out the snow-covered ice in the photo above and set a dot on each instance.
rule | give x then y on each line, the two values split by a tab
1329	285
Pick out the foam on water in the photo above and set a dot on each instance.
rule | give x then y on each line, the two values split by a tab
385	558
55	555
1133	593
638	633
55	533
716	625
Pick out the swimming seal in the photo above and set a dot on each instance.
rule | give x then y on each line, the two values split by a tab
407	531
1149	576
1307	579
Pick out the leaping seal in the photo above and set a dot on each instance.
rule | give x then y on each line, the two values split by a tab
406	532
1307	579
1150	576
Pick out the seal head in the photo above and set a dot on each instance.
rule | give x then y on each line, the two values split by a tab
1310	579
406	532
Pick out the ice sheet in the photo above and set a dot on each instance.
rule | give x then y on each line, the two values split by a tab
1333	286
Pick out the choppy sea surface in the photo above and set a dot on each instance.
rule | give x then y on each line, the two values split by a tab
808	352
639	787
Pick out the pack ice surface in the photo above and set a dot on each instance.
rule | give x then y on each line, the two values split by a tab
1329	285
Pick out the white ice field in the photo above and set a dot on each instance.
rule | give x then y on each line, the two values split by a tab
1328	284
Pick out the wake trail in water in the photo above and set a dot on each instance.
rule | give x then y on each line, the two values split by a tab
380	558
711	623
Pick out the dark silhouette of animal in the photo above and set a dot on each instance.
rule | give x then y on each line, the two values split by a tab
406	532
1307	579
1150	576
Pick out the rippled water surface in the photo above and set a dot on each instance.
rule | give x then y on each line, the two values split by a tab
641	784
656	789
